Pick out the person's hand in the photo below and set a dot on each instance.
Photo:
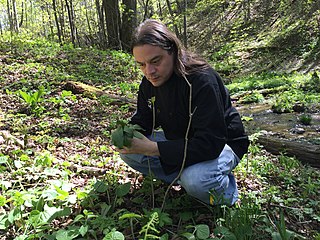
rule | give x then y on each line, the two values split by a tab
141	146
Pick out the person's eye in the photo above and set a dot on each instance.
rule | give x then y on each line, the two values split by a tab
155	61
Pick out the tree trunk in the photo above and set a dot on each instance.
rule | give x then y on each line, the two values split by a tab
93	92
22	14
87	18
61	19
129	22
145	15
15	16
160	9
72	35
56	20
307	153
101	25
50	23
26	15
10	16
112	14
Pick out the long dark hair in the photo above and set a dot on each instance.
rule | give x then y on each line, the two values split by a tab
155	33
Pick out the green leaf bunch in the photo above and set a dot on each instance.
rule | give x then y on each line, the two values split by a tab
32	99
122	136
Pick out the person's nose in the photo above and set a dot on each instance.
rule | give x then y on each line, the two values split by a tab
150	69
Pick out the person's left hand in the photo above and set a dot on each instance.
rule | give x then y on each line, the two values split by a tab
141	146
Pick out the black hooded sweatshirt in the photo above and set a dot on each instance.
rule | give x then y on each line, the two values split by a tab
214	122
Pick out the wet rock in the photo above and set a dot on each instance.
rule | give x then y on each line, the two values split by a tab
297	130
299	107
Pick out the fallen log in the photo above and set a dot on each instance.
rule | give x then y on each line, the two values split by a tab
92	92
306	152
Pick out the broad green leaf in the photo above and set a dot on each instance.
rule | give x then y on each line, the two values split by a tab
35	219
49	194
18	164
4	223
188	236
62	194
83	230
127	141
100	187
63	234
128	130
117	137
164	237
78	218
137	134
123	189
39	204
3	201
50	213
224	232
114	235
105	209
4	159
137	127
276	236
14	214
202	231
26	97
5	184
186	215
21	237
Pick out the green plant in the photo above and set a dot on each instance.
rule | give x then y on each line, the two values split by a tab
312	84
252	97
150	228
34	99
282	233
199	231
121	137
305	119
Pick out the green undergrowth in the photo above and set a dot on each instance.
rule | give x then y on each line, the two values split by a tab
61	179
283	92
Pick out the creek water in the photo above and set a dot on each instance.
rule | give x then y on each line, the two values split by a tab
285	125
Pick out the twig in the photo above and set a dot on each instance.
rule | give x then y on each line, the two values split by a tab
152	133
185	146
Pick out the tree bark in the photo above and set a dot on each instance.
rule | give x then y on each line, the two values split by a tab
56	20
307	153
145	14
71	22
61	20
10	15
112	14
91	91
22	14
101	25
15	16
129	22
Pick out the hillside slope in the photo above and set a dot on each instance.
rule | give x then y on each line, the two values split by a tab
257	36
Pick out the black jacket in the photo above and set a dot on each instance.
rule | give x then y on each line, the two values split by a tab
215	121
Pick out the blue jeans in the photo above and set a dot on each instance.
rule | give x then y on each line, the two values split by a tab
211	181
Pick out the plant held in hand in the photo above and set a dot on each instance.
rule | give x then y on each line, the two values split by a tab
122	136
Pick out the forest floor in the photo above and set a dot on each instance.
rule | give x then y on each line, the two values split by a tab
60	176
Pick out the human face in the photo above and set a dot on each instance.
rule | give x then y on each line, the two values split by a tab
155	63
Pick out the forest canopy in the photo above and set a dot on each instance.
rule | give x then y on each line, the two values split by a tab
281	34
